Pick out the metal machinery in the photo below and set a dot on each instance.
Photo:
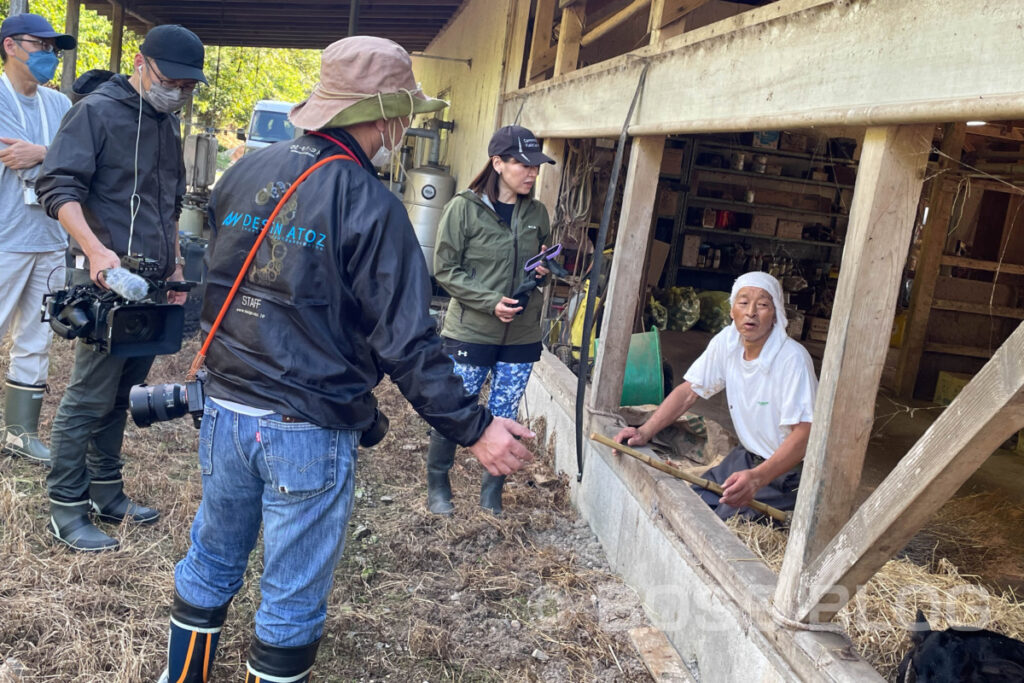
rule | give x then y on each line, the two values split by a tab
427	189
200	152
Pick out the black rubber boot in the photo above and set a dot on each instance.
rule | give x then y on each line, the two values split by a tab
22	403
111	505
279	664
69	524
490	492
192	643
440	457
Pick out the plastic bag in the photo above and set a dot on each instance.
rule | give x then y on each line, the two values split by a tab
714	311
683	308
655	314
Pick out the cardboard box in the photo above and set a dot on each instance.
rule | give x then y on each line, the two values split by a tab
948	385
763	225
793	142
667	202
656	261
773	169
691	248
819	175
767	139
672	161
793	230
817	328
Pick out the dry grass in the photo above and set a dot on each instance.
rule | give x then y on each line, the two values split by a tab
878	616
469	598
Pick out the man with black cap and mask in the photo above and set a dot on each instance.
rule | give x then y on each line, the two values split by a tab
114	177
31	244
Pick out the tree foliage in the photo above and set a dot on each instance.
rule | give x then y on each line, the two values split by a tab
239	76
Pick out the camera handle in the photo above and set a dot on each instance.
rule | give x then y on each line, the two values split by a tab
197	362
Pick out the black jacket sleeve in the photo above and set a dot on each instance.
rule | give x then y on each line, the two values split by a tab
389	279
69	164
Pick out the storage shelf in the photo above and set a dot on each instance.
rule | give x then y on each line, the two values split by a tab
758	236
754	207
715	271
780	178
803	156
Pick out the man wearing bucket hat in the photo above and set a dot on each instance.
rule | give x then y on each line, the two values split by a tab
114	177
31	244
770	385
336	296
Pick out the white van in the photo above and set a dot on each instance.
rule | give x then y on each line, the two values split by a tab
269	124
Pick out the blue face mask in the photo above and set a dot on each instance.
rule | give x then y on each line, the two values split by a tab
42	65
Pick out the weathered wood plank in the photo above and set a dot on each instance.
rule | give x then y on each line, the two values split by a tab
983	309
661	659
628	266
885	199
540	47
978	264
567	56
116	37
984	414
70	58
761	69
933	241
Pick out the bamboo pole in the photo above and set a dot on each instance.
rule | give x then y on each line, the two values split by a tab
775	513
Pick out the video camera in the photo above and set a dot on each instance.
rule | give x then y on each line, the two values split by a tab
114	324
530	282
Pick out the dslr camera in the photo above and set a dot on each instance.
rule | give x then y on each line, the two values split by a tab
115	325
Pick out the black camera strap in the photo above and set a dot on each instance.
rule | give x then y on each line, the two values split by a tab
197	362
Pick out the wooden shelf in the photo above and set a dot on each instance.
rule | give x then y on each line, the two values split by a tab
757	236
774	179
714	271
982	309
803	156
754	207
978	264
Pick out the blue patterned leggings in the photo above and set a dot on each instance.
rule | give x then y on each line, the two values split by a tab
508	383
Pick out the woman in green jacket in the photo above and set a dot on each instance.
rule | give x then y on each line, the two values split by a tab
486	235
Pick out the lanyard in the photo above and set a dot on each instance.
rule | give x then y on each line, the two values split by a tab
339	143
21	112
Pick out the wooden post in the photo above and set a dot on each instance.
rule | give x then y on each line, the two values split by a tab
549	179
116	37
541	53
567	56
70	58
628	266
933	241
985	413
885	199
667	17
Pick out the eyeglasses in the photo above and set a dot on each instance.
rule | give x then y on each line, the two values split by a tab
186	85
43	46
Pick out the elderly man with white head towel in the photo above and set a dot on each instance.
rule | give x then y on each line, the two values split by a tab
770	386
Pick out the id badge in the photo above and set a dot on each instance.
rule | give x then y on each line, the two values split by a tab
29	194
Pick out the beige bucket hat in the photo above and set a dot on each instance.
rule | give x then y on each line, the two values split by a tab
362	78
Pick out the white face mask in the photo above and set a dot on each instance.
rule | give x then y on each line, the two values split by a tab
383	157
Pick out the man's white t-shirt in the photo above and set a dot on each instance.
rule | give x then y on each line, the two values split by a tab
767	396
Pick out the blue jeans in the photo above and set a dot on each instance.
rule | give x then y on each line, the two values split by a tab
298	480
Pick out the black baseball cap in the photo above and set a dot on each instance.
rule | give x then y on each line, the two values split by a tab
178	53
520	144
37	26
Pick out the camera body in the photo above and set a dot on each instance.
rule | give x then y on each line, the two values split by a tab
114	325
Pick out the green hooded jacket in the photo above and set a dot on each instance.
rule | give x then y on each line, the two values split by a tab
478	259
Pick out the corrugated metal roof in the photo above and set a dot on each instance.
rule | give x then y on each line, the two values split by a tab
305	24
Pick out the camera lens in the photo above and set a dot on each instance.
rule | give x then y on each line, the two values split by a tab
149	404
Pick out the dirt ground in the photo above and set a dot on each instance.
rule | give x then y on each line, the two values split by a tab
527	596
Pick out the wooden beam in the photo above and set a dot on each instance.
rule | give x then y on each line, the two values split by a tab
958	350
628	266
982	309
983	415
543	23
667	18
116	37
614	21
978	264
549	178
70	58
567	56
933	241
759	70
889	179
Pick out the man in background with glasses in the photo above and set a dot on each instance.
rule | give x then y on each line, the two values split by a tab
32	245
114	177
